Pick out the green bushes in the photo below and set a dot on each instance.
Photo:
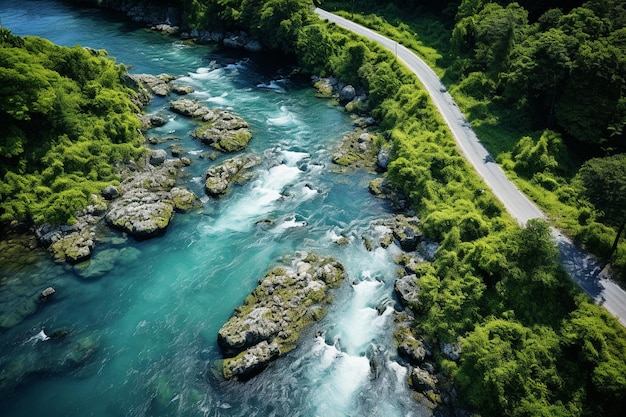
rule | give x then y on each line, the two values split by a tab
66	118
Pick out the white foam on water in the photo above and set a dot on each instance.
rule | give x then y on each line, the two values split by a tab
41	336
339	377
272	85
400	372
291	158
308	192
203	74
221	99
289	223
242	213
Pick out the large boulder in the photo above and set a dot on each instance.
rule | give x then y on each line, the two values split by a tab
224	131
413	349
287	299
406	289
148	201
234	170
347	94
251	361
157	84
383	158
141	213
158	156
188	108
357	150
73	247
408	232
221	129
183	199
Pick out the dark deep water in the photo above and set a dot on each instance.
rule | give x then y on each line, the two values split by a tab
149	322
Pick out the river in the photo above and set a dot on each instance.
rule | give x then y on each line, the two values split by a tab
148	319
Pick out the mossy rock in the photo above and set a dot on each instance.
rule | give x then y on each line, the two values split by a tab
183	199
288	298
223	140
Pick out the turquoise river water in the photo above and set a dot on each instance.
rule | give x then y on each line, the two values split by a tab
149	318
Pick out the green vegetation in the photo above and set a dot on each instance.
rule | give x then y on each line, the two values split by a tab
65	119
532	343
543	88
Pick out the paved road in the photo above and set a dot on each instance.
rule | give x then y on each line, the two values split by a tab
584	269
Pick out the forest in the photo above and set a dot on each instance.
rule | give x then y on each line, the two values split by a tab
532	343
66	119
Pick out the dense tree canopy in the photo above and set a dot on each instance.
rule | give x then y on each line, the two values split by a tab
65	119
604	182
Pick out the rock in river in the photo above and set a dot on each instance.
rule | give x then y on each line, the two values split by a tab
287	299
221	129
148	201
234	170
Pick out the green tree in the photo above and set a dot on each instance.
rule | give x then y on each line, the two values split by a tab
604	183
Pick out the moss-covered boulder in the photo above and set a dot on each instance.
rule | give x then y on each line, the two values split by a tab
357	150
287	299
224	131
183	199
148	201
234	170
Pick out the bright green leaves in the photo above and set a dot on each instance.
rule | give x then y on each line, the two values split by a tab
510	370
314	48
66	116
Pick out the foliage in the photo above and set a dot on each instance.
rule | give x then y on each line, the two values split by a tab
494	285
604	182
65	119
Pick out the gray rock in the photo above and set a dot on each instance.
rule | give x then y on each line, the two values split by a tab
47	293
149	121
73	247
325	86
364	122
142	214
406	289
422	380
347	94
413	349
451	350
408	232
158	85
166	28
287	299
181	89
252	361
158	156
234	170
188	108
110	192
183	199
384	157
224	131
145	208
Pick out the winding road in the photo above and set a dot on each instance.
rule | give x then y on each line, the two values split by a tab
585	270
